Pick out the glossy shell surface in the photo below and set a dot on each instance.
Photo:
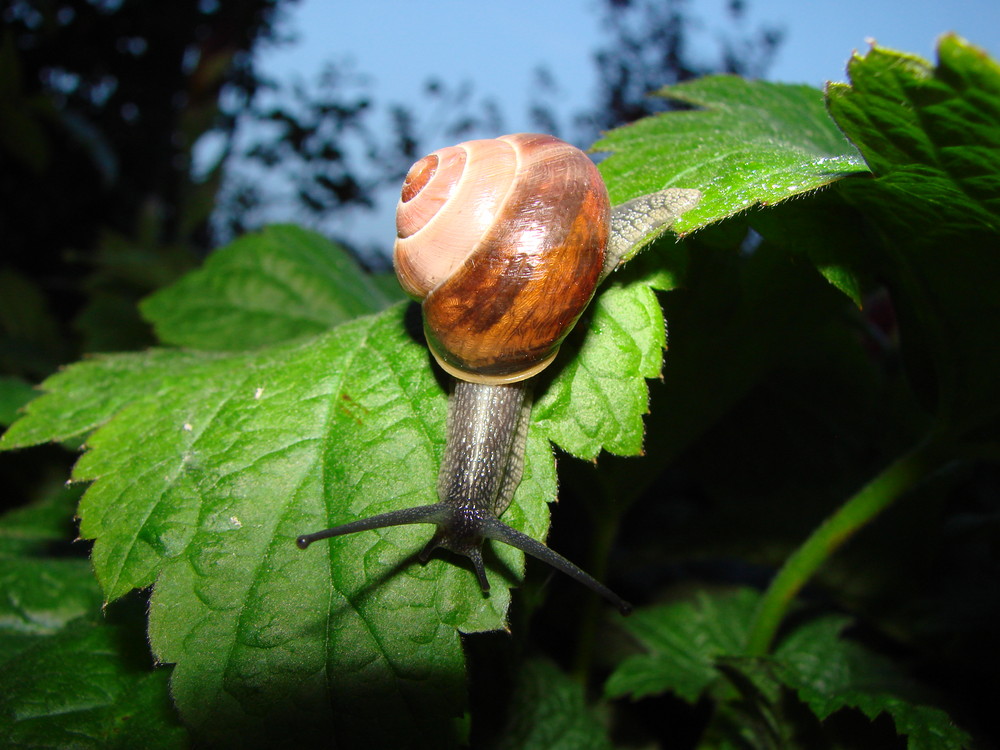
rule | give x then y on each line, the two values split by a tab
503	240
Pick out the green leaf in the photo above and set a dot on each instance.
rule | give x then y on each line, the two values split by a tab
682	643
205	468
41	595
74	677
79	398
549	711
900	110
278	284
694	648
598	399
830	672
82	688
932	137
751	143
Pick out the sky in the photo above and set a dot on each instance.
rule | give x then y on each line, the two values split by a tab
400	44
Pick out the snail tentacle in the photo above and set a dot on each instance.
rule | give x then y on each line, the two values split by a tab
437	513
501	532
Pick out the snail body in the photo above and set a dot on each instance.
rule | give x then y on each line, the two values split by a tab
504	242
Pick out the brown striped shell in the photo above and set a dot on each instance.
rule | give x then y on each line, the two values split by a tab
504	241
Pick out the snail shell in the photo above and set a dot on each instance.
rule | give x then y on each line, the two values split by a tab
504	241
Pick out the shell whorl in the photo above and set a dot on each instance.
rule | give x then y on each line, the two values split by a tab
504	241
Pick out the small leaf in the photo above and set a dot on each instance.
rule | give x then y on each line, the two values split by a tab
81	688
549	711
40	596
264	288
752	143
682	643
598	399
204	469
694	648
829	672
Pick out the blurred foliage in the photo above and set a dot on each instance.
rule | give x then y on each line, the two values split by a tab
651	47
101	105
650	44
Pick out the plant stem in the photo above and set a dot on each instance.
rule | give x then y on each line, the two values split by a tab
894	481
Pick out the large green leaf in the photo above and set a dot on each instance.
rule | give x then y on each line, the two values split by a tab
749	143
205	466
931	135
203	478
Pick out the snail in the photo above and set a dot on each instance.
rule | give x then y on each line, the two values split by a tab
504	241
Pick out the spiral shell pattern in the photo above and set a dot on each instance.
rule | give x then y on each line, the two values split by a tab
504	241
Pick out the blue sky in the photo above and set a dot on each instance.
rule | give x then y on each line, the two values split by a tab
400	44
